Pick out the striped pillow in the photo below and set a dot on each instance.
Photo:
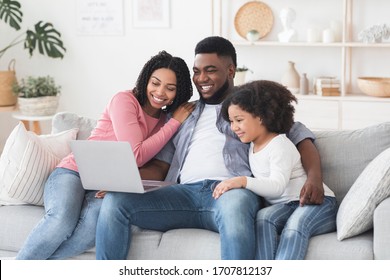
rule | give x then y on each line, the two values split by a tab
27	161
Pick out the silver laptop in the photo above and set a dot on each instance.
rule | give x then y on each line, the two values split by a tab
110	166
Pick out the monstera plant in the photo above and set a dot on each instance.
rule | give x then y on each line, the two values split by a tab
43	37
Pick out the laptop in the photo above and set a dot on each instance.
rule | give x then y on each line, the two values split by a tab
110	166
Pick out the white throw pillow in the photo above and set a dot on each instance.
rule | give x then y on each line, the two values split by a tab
356	211
26	162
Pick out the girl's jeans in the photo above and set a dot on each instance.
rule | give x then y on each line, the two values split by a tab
295	225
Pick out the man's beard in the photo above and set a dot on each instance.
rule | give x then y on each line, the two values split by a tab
218	96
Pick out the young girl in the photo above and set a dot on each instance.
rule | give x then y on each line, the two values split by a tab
138	117
261	113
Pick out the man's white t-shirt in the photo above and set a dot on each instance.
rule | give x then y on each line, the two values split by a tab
204	158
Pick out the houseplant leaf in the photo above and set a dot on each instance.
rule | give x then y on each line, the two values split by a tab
46	38
10	12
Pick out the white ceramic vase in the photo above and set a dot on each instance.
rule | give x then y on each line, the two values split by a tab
290	79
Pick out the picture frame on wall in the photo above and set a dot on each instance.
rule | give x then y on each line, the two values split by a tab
100	17
151	13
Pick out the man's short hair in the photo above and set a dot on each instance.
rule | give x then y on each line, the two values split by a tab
218	45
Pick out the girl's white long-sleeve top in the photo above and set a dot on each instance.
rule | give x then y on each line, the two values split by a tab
278	172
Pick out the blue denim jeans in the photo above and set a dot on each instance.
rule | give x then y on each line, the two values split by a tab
295	225
69	225
179	206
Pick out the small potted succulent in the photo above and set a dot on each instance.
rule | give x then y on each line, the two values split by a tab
240	76
37	96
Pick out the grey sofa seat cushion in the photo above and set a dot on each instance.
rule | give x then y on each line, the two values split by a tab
327	247
19	219
344	154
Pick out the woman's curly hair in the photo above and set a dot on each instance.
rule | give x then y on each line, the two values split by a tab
183	79
270	101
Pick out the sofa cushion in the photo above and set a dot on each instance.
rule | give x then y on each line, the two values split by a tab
65	120
345	154
356	211
27	161
16	224
327	247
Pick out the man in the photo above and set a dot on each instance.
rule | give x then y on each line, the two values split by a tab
203	152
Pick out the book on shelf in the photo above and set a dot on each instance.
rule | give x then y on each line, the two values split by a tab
327	84
328	80
328	92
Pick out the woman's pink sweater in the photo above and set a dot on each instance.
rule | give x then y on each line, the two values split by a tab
124	120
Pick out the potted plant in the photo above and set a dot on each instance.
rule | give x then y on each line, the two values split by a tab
37	96
43	37
240	76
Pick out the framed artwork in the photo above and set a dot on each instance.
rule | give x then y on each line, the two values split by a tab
151	13
100	17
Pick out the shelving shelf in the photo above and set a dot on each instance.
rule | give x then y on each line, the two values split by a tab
351	109
305	44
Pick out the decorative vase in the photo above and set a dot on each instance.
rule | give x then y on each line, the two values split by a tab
304	84
290	79
38	106
252	36
7	79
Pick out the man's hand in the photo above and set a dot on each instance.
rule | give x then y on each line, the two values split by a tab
311	193
313	190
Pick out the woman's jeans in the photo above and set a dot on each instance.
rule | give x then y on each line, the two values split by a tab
179	206
295	225
69	225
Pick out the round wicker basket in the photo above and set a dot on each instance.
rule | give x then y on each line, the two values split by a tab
254	15
38	106
374	86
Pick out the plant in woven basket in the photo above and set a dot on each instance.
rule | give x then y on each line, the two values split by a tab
43	37
36	87
37	96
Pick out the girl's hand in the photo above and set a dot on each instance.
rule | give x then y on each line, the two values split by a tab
100	194
183	111
226	185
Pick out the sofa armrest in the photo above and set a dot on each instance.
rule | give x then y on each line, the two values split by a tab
382	230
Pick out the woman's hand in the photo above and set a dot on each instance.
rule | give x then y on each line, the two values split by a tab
183	111
226	185
100	194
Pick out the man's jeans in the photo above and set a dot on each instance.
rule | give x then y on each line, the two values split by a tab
295	225
69	225
179	206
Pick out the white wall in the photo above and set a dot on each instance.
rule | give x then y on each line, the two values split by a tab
96	67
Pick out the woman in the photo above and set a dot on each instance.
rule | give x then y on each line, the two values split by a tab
138	117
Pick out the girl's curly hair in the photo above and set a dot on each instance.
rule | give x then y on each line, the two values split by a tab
270	101
183	79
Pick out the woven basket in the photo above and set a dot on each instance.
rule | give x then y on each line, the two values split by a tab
254	15
38	106
374	86
7	79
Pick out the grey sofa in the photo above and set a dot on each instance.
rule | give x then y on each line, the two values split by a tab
344	155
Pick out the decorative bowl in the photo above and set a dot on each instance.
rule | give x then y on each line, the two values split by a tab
374	86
